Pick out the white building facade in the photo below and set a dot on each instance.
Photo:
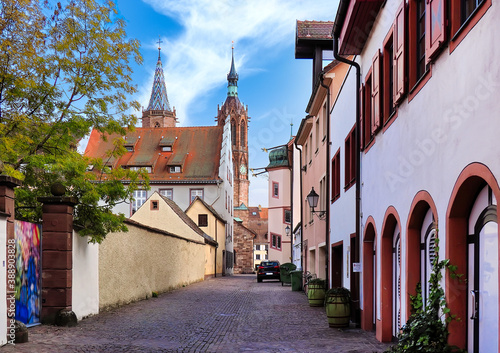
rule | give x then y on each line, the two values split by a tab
429	160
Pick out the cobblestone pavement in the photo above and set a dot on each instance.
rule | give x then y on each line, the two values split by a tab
226	314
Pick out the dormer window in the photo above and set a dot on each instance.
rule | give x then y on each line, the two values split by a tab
175	169
129	148
166	148
148	169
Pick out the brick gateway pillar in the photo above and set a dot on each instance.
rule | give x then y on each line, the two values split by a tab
57	260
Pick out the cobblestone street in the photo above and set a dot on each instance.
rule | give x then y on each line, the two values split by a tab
227	314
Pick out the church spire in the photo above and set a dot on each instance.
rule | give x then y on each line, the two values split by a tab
159	98
158	112
232	78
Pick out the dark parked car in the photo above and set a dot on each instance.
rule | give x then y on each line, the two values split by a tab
268	270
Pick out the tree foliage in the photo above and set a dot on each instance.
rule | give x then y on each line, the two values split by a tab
65	69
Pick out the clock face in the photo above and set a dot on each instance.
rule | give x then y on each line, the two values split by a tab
243	169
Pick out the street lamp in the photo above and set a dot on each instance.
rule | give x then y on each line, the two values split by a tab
312	200
287	230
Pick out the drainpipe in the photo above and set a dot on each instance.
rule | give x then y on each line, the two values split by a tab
291	203
339	21
301	208
327	214
216	248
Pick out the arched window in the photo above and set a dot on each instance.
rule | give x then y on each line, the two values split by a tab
233	132
157	124
242	133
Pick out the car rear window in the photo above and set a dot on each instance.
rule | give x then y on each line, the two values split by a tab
270	264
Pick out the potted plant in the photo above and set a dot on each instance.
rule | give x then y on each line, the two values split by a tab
316	291
338	306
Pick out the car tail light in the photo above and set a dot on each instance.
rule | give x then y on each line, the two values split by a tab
276	267
261	267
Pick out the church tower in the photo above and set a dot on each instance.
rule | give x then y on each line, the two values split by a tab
238	114
158	112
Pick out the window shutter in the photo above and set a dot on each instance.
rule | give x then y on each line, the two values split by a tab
362	116
399	53
435	23
376	96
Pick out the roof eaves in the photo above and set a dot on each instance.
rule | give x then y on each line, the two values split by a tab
159	231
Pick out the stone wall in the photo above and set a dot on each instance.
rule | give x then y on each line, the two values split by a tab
134	264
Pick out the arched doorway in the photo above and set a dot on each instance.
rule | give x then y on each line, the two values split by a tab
472	245
368	318
390	283
482	274
420	241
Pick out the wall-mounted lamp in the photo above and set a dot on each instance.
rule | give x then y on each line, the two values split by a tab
312	200
287	230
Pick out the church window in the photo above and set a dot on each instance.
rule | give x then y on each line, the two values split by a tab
233	133
157	124
242	133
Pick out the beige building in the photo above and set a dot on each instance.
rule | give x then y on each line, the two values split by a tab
210	222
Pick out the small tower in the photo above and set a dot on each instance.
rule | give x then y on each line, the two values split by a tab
158	112
239	119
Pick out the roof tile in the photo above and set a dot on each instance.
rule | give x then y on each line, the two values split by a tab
196	148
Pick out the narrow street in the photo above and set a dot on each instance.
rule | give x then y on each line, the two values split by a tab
227	314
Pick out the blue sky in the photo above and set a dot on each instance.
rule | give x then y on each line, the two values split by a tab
196	57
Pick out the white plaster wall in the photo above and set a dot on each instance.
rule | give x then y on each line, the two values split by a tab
452	122
226	188
85	291
343	210
3	280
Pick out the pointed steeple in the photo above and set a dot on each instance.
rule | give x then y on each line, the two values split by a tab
159	98
158	112
232	78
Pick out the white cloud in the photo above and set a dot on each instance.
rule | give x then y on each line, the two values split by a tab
201	53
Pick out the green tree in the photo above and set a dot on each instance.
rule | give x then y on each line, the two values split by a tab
65	69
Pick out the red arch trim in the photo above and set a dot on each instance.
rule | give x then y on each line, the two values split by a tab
384	329
470	181
421	203
369	244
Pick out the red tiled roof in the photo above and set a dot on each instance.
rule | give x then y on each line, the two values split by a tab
195	149
314	29
311	35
